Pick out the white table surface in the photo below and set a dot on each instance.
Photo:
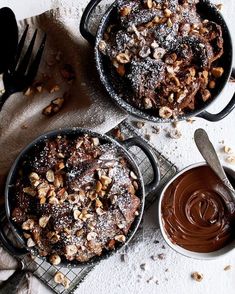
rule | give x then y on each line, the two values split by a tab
114	276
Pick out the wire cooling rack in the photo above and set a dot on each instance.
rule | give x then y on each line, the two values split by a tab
45	271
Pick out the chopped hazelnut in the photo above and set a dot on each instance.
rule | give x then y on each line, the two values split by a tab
217	71
124	11
120	238
123	58
50	176
43	221
165	112
28	225
55	259
197	276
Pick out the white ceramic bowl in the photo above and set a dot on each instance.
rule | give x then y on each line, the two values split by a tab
179	249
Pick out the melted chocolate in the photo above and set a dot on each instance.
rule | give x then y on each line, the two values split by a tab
197	211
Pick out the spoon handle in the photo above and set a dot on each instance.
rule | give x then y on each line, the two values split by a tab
208	152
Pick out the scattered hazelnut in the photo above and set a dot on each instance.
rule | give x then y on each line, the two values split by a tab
231	159
30	191
120	238
123	58
217	71
43	221
212	84
28	225
197	276
90	236
30	242
55	259
102	46
105	180
165	112
50	176
71	250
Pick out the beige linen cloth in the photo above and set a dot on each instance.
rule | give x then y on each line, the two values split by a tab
87	105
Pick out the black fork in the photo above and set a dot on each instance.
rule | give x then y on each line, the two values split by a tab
22	72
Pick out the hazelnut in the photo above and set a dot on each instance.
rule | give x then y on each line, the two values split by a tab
71	250
95	141
123	58
231	159
169	23
147	103
53	200
99	211
158	53
73	198
133	175
76	214
28	92
120	238
124	11
167	12
98	186
50	176
205	95
212	84
102	46
59	278
165	112
149	4
66	283
121	70
30	242
55	259
90	236
28	225
34	177
58	181
217	71
98	203
43	221
43	189
171	98
105	180
59	166
30	191
197	276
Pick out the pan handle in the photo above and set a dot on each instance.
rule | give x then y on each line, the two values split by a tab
84	24
16	251
134	141
223	113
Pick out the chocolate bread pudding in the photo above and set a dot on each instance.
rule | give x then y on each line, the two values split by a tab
75	198
165	54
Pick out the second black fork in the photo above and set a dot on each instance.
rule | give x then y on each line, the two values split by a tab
22	72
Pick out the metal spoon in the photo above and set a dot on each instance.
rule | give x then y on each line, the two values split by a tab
8	37
208	152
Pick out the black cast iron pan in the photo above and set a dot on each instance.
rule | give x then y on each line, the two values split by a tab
207	11
72	133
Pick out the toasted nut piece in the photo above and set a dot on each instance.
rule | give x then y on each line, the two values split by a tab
47	110
149	3
133	175
43	200
30	191
53	200
28	92
131	189
227	267
105	180
95	141
50	176
206	95
43	189
54	88
171	98
90	236
139	124
155	20
71	250
231	159
30	242
55	259
217	71
135	184
98	203
58	182
167	12
73	198
123	58
34	177
43	221
147	103
124	11
165	112
120	238
169	23
99	211
59	278
59	166
227	149
76	214
212	84
121	70
159	53
60	155
102	46
54	238
197	276
98	186
219	6
28	225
